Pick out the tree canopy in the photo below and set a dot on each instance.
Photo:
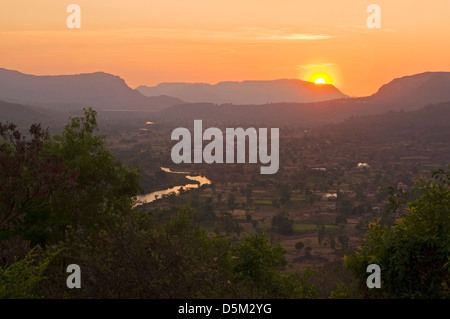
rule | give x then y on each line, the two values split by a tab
413	253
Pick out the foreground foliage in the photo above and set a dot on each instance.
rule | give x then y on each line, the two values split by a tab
414	253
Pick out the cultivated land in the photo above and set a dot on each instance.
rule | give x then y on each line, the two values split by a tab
290	205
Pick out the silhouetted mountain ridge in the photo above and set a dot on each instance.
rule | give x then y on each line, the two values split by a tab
407	93
105	91
416	90
65	92
246	92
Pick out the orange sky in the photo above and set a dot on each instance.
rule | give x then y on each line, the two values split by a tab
153	41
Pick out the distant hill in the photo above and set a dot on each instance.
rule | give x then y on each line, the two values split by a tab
429	123
408	93
247	92
21	94
24	115
415	90
67	92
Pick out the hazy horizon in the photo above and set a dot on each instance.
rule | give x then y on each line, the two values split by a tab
219	82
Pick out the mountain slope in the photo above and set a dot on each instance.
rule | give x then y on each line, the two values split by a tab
246	92
415	90
65	92
25	115
408	93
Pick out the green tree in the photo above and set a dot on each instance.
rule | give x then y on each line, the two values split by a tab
21	279
282	223
50	187
104	183
285	193
257	266
229	225
249	194
308	251
231	201
143	256
35	184
345	207
332	241
340	220
343	240
414	253
139	256
311	199
321	232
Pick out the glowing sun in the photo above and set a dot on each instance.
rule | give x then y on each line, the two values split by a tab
320	78
319	81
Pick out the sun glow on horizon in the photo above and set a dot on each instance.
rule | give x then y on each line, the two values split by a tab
319	81
320	77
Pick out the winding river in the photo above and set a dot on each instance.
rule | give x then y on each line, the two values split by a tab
150	197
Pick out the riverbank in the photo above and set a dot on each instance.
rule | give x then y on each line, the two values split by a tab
198	180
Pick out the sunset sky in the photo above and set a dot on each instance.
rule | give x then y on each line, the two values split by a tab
146	42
